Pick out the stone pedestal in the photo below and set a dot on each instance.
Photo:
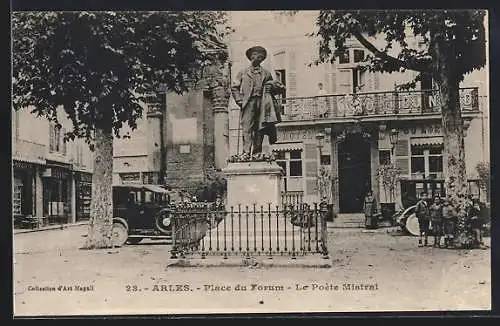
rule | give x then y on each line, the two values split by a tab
254	218
253	183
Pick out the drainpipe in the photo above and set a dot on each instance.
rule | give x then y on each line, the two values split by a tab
163	151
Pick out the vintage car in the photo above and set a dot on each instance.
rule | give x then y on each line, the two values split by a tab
140	211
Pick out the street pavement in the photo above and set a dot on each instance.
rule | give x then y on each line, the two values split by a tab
140	279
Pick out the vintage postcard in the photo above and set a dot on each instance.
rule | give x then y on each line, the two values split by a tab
201	162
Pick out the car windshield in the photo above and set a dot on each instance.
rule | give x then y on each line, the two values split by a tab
155	197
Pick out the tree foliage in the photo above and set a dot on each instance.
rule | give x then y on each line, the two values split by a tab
98	66
442	44
408	37
484	172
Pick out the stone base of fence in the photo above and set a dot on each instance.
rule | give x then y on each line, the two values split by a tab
307	261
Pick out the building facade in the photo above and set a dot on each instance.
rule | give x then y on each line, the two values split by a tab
353	124
181	139
52	179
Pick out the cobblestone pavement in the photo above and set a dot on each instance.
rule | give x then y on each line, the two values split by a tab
53	277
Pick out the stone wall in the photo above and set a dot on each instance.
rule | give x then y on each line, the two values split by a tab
189	139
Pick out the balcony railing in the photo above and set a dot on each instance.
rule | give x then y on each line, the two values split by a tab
29	151
400	103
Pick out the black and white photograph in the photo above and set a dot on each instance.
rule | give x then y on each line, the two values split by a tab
260	161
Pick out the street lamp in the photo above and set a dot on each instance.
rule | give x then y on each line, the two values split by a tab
320	136
393	138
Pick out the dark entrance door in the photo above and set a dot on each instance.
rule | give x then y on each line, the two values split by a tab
354	173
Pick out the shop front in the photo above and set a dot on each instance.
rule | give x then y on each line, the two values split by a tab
303	160
83	182
57	193
396	162
24	189
418	156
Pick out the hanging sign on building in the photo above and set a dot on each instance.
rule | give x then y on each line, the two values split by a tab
426	130
131	177
23	165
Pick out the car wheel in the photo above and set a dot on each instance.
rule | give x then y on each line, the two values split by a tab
163	222
412	225
134	240
119	234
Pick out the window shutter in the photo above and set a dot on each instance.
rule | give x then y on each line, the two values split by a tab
311	168
291	78
344	83
51	137
376	81
63	142
401	151
369	81
332	79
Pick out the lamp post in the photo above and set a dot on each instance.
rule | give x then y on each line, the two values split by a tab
393	137
320	137
324	206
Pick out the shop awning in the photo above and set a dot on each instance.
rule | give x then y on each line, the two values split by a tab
29	160
284	147
140	186
426	141
155	188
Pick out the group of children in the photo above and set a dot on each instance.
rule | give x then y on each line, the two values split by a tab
440	216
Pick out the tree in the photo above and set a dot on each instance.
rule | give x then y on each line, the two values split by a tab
484	172
451	43
98	67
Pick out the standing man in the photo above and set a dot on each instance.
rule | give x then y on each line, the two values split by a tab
253	90
422	213
370	209
436	212
449	221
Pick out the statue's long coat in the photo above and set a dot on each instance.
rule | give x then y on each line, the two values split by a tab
241	90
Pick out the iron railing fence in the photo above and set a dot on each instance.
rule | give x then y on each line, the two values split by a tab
401	103
286	230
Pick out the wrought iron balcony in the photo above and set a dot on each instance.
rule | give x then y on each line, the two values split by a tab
377	104
27	151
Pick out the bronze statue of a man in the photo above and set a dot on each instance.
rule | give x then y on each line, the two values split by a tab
254	91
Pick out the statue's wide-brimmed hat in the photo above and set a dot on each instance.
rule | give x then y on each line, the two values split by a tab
256	48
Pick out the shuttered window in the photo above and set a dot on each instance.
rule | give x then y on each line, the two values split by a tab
401	151
311	166
62	141
344	81
332	77
52	138
56	139
291	73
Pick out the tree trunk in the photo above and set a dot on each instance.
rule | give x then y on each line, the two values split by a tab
453	137
101	213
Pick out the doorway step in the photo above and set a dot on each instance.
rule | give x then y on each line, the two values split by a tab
351	220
